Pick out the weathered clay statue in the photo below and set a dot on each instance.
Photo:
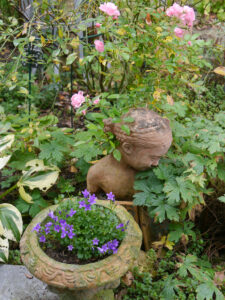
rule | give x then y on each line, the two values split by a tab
150	138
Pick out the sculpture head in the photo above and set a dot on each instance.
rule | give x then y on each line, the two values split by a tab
150	138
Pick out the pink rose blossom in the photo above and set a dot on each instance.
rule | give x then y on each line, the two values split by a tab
84	112
98	25
96	101
99	45
189	43
174	11
186	14
77	99
110	9
179	32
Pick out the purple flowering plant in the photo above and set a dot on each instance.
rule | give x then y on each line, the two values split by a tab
80	226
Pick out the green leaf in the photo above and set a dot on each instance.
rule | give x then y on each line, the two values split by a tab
10	221
207	290
71	58
117	154
128	120
126	129
222	198
221	170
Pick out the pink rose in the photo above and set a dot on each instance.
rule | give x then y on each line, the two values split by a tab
98	25
188	16
174	11
189	43
99	45
77	99
84	112
96	101
110	9
179	32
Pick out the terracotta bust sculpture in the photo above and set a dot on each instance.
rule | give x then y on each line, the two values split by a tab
150	138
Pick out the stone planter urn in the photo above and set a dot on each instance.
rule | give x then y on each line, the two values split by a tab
88	281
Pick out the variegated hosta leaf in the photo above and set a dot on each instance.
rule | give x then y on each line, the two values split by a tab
38	176
4	250
6	142
11	224
4	160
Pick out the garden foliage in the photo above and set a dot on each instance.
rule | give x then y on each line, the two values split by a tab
134	56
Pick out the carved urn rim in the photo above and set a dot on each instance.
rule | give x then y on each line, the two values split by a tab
78	277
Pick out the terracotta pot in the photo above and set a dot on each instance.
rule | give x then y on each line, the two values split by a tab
82	280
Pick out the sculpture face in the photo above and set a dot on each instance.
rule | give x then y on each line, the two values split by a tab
140	158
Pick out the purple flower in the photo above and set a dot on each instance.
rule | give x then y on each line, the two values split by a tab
63	234
105	247
112	245
72	212
71	235
37	227
88	207
57	228
55	218
101	250
121	225
85	193
49	224
62	222
60	212
92	199
95	241
51	214
42	239
47	230
70	247
82	204
110	196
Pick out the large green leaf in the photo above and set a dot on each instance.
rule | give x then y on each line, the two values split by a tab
37	176
11	224
6	142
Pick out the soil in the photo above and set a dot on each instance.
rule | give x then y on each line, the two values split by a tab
68	257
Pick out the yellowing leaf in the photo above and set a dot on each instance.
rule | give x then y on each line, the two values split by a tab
169	100
75	42
104	152
121	31
23	90
220	71
31	39
60	33
25	196
43	40
93	162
